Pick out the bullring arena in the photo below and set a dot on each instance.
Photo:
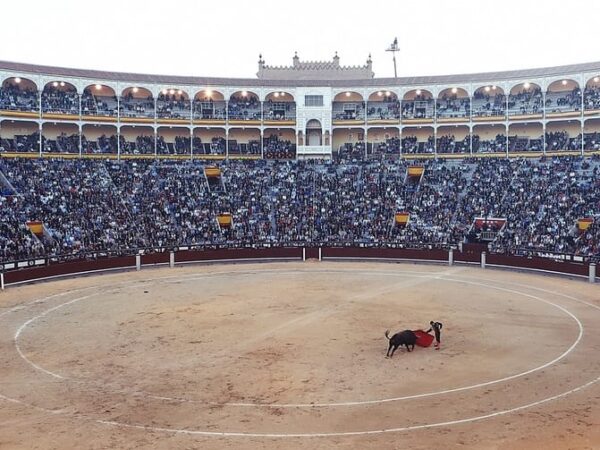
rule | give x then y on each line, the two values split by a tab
292	355
208	260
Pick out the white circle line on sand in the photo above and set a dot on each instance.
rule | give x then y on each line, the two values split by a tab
546	291
350	433
427	394
25	324
306	435
330	404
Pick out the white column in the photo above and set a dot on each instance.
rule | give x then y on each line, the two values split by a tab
320	255
138	262
582	137
155	141
592	273
451	257
544	135
471	138
227	143
483	260
172	259
40	139
1	280
118	127
303	253
192	143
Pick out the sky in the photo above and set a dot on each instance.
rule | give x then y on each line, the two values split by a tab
224	38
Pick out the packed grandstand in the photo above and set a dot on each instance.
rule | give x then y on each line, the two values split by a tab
111	162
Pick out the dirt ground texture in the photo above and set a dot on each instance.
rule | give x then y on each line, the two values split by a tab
292	355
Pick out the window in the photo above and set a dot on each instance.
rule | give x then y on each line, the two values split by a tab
313	100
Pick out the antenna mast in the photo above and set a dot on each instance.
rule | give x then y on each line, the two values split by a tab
394	49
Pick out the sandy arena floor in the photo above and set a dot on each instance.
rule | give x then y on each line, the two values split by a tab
291	355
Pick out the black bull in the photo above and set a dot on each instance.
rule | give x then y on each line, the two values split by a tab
406	337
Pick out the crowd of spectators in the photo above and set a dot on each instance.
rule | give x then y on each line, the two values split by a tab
496	145
245	107
485	105
24	143
528	101
591	141
452	106
276	148
387	109
209	109
172	106
350	110
449	144
560	140
518	143
175	105
104	144
55	100
216	146
98	105
14	98
557	102
411	144
591	97
279	110
131	106
94	205
140	145
421	107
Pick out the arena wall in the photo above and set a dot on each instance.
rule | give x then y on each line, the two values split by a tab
51	269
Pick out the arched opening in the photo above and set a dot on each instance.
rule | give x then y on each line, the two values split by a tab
525	99
453	103
19	136
314	133
209	141
209	105
19	94
563	135
137	102
60	138
60	97
349	144
489	102
99	100
453	139
173	104
137	140
563	97
279	143
279	107
591	133
591	94
418	104
244	141
173	141
99	139
418	140
525	137
383	142
489	138
383	106
348	106
244	106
